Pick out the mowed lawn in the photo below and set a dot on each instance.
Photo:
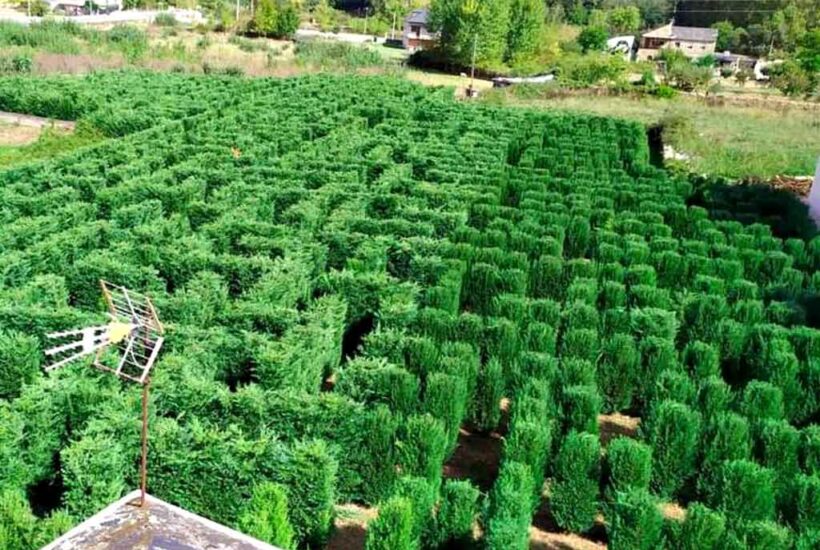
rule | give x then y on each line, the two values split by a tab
731	140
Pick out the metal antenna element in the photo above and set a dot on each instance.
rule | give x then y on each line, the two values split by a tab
127	347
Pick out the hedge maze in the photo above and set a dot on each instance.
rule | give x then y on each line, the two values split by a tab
352	269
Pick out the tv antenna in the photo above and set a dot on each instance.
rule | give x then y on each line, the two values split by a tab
126	347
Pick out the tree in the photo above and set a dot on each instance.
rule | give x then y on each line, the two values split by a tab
265	18
809	53
526	22
624	19
789	25
468	26
790	78
287	22
729	37
654	12
266	516
592	39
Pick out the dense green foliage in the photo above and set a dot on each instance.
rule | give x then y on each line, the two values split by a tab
351	271
266	516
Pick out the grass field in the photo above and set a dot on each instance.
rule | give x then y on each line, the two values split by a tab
729	140
48	144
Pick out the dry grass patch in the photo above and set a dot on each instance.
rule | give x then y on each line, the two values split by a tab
14	135
617	425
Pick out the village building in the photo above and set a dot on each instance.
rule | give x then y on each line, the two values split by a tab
692	42
417	35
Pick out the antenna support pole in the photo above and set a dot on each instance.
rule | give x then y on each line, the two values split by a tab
144	443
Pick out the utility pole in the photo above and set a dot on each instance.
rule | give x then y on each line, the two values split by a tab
471	90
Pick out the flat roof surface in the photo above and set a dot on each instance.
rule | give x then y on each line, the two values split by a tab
158	526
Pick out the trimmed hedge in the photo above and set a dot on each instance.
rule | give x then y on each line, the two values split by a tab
456	513
636	522
574	498
510	508
629	465
393	528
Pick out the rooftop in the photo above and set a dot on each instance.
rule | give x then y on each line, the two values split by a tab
689	34
157	526
419	16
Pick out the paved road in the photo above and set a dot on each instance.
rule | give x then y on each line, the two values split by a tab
34	121
188	17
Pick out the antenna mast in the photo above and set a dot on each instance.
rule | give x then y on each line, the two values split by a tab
126	347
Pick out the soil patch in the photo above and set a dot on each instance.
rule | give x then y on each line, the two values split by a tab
543	540
617	425
350	527
477	457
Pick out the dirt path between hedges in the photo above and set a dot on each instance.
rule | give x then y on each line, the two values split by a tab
477	457
30	121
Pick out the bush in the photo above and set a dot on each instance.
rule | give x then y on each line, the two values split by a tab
765	535
422	497
805	510
636	522
810	449
458	509
701	359
20	358
581	406
761	400
745	491
617	372
673	430
592	39
445	398
510	508
702	529
423	446
529	443
266	516
574	499
165	19
94	470
489	391
777	448
726	437
714	396
393	528
629	465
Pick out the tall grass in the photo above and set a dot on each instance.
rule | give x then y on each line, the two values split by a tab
51	36
333	55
